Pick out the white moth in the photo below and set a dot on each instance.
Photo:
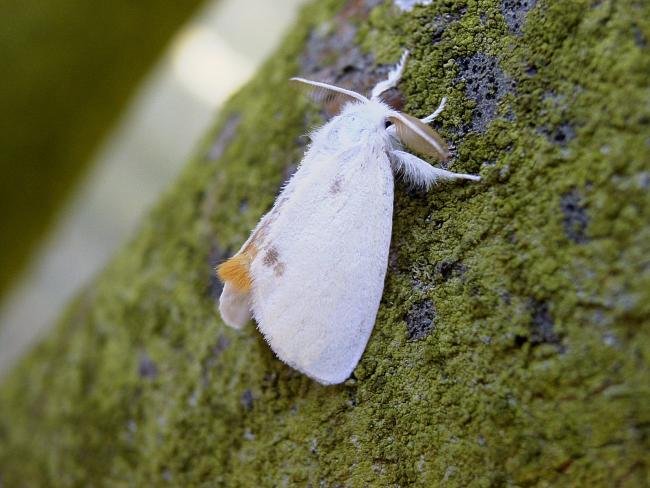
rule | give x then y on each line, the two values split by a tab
312	272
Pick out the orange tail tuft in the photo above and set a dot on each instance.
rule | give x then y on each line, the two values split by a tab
236	272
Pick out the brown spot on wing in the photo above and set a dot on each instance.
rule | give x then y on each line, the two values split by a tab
272	260
271	257
336	185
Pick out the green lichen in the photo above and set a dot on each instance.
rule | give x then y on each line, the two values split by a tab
535	372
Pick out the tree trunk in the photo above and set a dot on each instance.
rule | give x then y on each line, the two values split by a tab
512	342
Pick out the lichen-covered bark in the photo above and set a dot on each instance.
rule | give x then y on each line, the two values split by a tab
69	68
512	343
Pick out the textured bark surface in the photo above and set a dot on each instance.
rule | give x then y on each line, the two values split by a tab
512	343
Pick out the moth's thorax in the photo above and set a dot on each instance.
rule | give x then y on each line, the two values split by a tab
358	123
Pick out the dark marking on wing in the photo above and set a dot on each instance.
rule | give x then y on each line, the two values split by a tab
278	269
272	260
271	257
336	185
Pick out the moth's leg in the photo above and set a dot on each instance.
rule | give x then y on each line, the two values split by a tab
393	77
430	118
420	173
442	174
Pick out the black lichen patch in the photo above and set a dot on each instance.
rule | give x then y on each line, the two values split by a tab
393	265
225	136
563	134
575	218
486	84
246	400
437	27
222	344
643	180
420	320
639	37
445	270
212	358
542	329
560	135
146	367
515	12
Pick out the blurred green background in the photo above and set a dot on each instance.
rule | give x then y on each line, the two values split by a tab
69	69
110	104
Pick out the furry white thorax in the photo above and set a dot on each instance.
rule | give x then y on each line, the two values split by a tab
360	124
318	258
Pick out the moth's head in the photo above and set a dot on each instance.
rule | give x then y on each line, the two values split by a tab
374	114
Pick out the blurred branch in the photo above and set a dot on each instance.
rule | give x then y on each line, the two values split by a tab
69	69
